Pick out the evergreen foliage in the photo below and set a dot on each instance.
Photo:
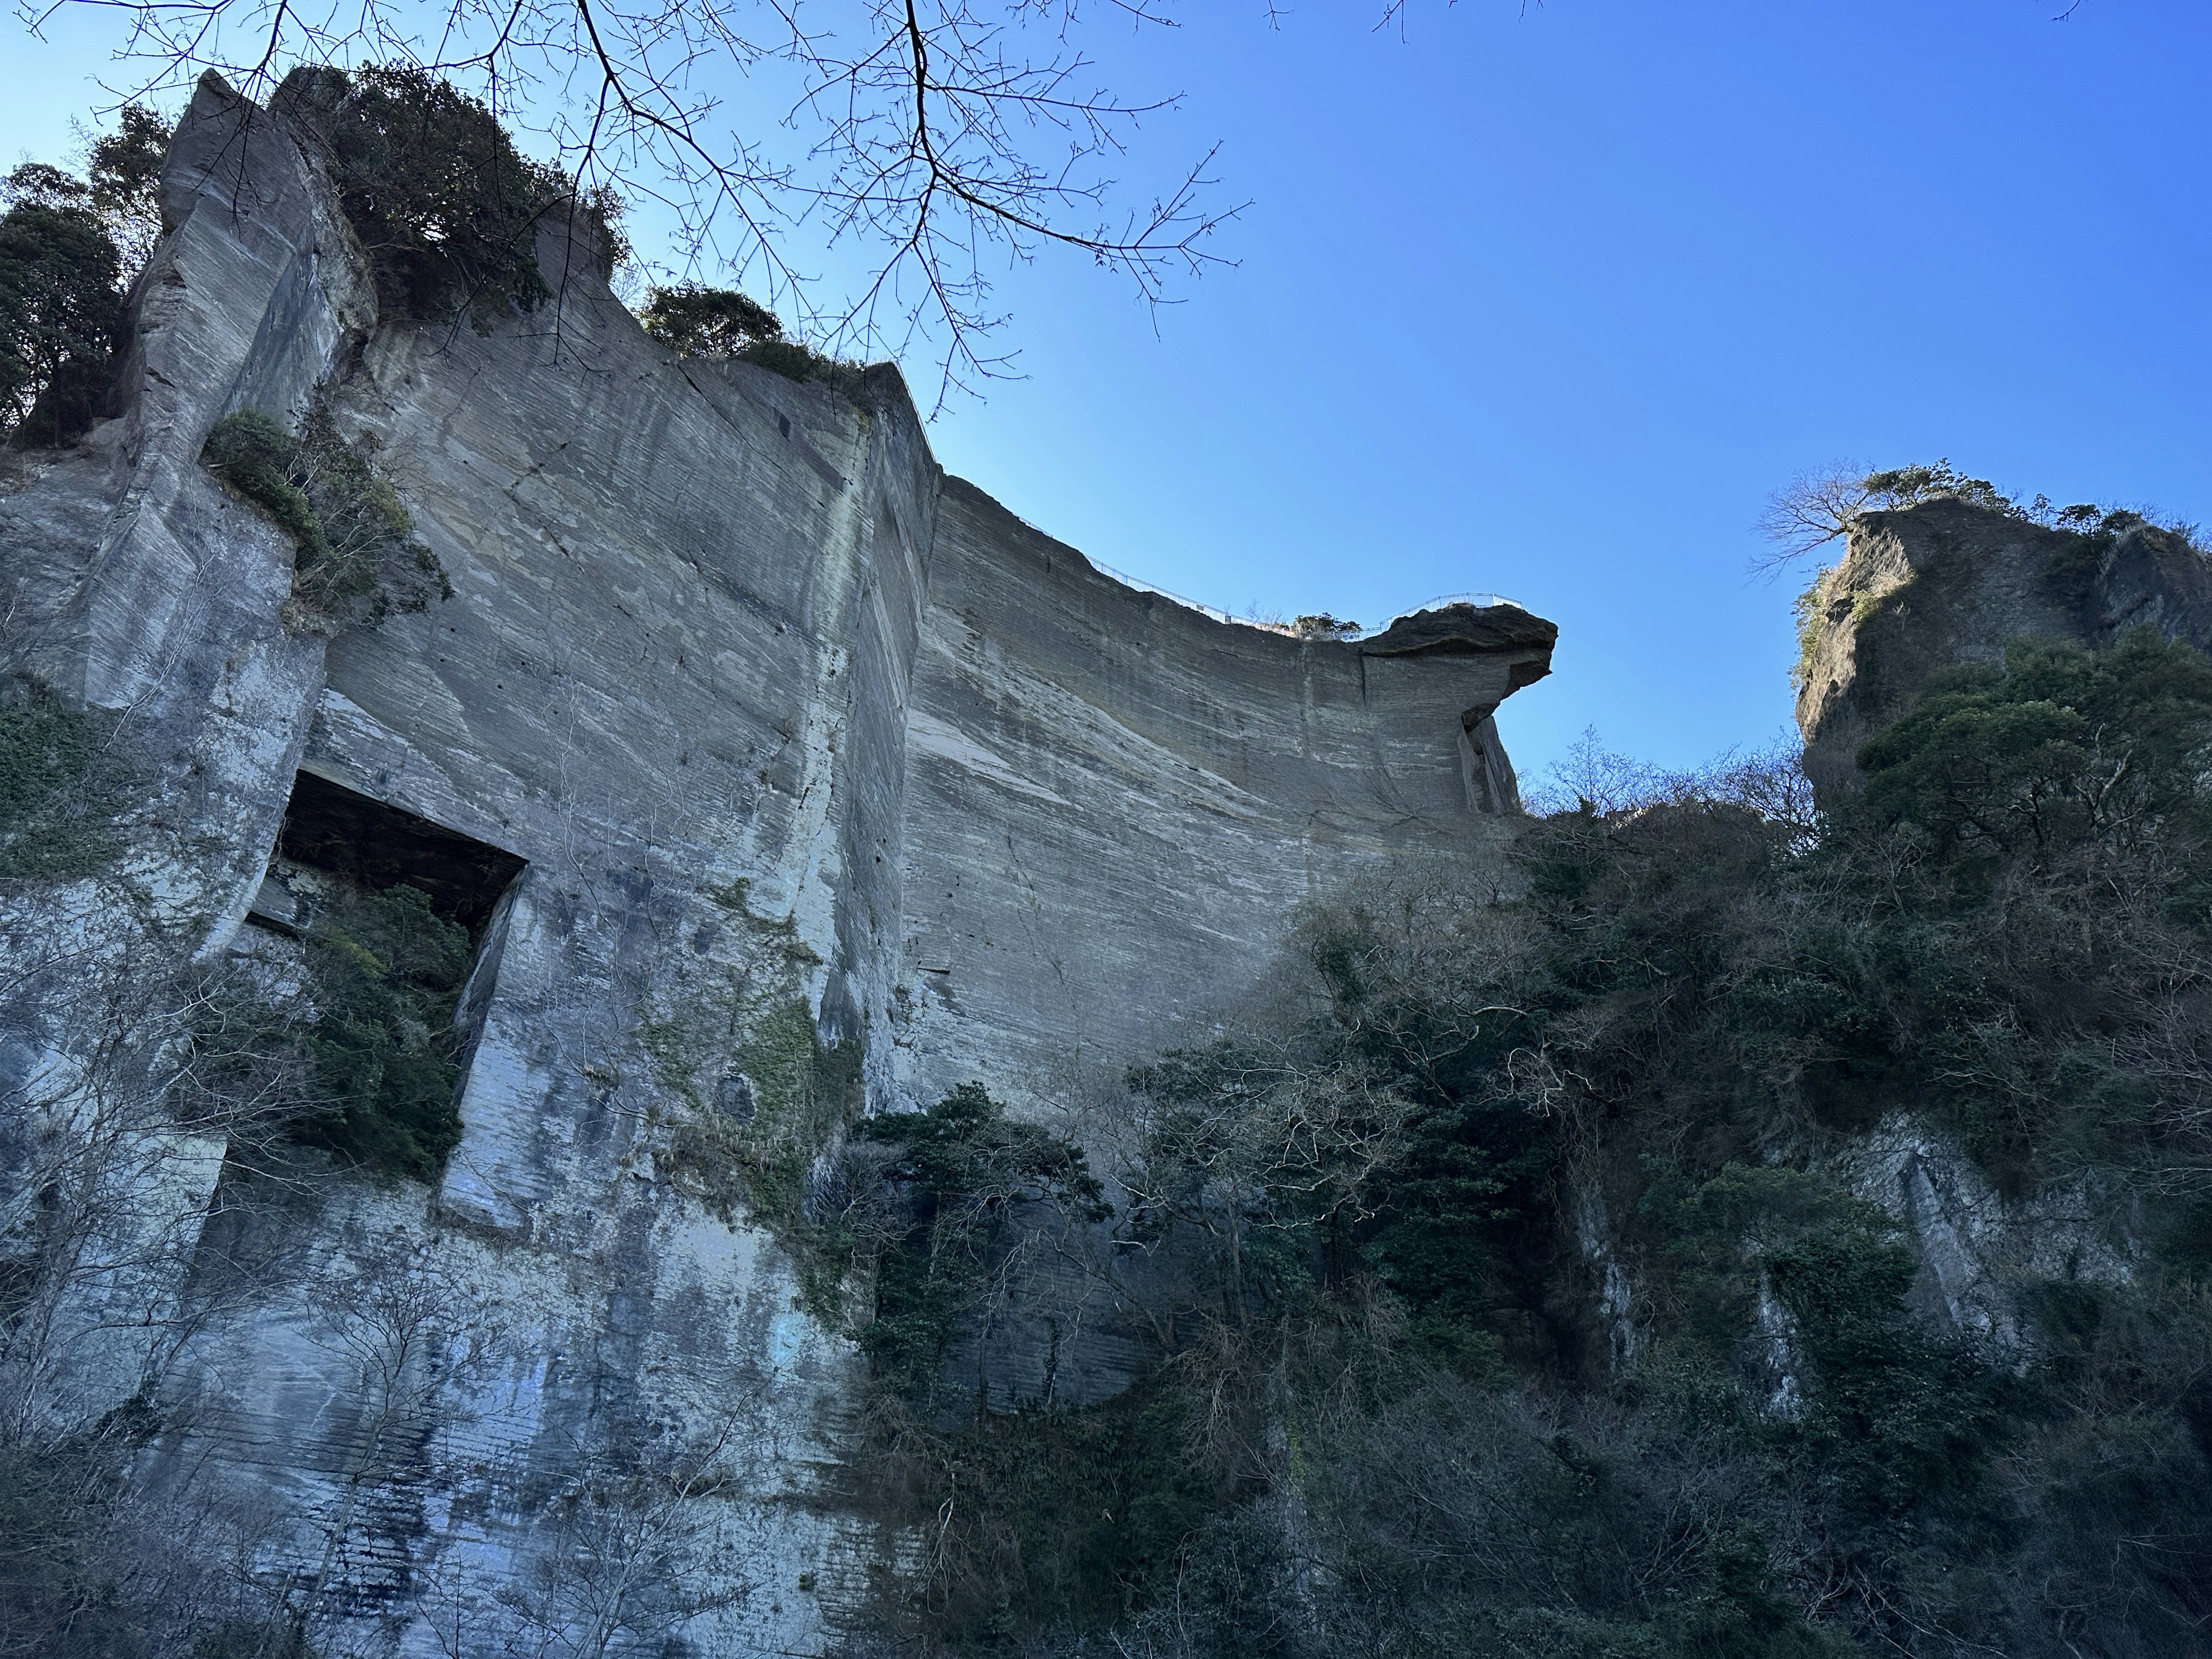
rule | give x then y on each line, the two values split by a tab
697	321
60	308
67	248
723	325
253	455
956	1172
1410	1413
355	554
387	972
125	171
2060	753
446	207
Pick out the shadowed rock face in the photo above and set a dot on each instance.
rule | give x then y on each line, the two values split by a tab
1944	582
739	702
1471	630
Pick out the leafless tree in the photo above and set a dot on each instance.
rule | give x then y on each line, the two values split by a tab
113	1153
622	1551
1812	510
113	1146
940	138
404	1332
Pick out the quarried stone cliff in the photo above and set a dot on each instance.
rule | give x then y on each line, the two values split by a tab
769	773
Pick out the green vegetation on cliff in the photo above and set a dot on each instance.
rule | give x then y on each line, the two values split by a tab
68	248
62	781
722	325
446	207
355	554
387	972
1534	1298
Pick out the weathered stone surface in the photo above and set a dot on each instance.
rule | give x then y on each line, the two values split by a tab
1975	1249
1115	804
747	706
1946	582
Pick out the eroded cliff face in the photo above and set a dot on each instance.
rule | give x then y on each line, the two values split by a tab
739	710
1945	581
1919	589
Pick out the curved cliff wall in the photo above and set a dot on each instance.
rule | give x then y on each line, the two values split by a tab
738	705
1115	803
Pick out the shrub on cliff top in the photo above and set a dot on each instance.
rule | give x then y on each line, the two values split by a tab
1820	506
723	326
446	207
68	247
695	321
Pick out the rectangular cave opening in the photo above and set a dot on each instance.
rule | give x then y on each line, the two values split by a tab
332	832
380	932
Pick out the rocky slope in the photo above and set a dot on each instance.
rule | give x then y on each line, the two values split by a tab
1947	581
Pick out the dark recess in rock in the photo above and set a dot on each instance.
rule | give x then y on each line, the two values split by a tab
332	828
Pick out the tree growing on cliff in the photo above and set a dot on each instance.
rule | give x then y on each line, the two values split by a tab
68	247
940	138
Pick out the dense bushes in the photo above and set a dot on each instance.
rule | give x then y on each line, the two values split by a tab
356	557
446	207
357	1055
954	1175
720	323
387	972
697	321
1522	1302
67	248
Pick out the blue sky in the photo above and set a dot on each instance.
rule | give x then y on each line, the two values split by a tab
1548	302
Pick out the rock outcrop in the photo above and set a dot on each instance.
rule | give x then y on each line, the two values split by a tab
738	706
1945	581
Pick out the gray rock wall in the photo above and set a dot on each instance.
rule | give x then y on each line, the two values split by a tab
1943	582
1116	804
771	713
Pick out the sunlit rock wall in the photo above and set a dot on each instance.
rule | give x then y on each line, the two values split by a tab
764	711
1116	804
1946	581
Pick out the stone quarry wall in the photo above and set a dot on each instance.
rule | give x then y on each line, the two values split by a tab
766	712
1114	803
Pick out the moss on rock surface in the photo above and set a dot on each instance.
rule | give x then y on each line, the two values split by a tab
355	554
783	1102
61	784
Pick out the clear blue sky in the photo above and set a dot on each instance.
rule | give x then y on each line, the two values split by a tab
1547	303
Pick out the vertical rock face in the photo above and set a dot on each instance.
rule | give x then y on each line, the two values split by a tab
1113	802
1944	582
739	706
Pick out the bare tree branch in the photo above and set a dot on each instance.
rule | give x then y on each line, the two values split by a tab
942	142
